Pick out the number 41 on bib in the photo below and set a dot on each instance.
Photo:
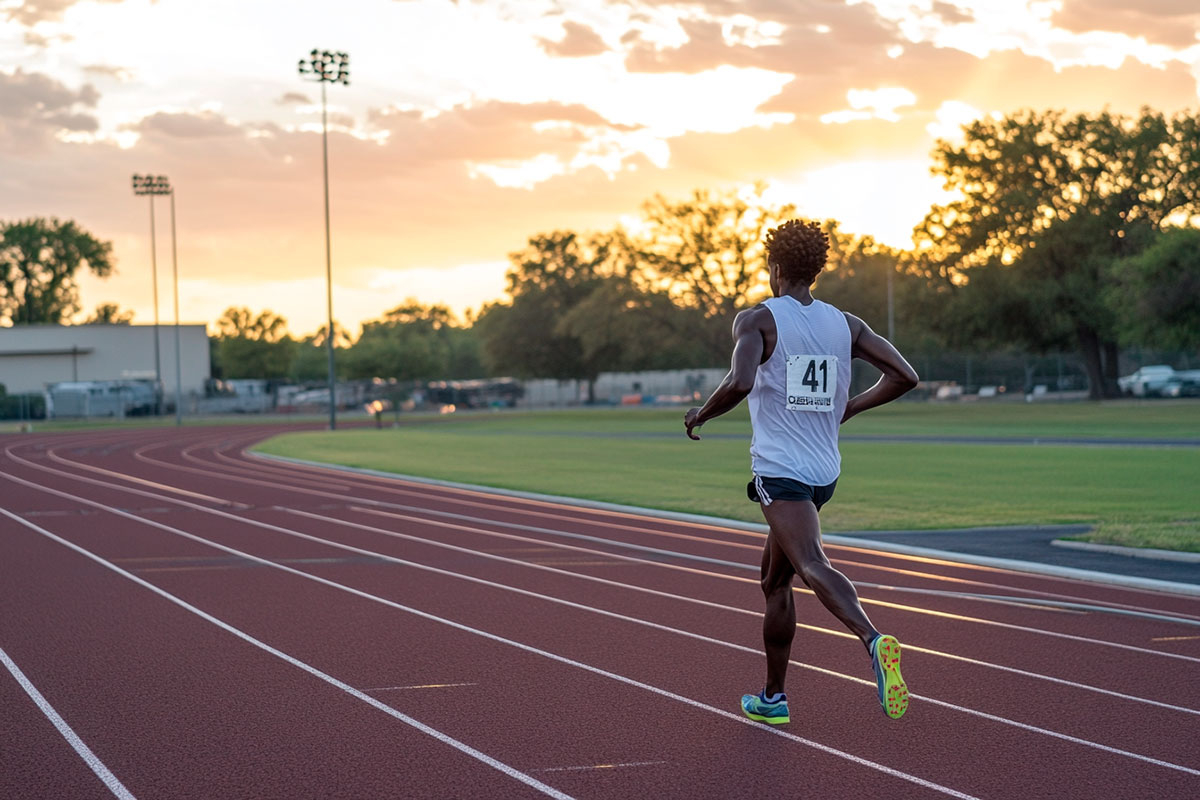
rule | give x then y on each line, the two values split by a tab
811	382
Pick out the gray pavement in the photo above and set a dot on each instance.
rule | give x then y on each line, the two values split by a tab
1033	544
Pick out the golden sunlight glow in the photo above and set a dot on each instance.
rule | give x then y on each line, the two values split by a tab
513	119
872	104
884	198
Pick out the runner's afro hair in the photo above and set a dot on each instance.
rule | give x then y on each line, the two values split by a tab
799	250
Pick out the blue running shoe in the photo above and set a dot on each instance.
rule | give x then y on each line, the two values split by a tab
893	692
756	708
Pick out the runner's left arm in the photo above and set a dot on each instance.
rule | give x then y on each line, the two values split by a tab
747	355
898	375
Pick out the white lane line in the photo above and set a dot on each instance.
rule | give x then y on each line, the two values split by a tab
600	766
512	772
458	626
140	455
419	686
581	607
166	487
94	763
709	603
224	473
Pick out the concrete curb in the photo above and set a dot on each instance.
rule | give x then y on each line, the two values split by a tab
1127	581
1131	552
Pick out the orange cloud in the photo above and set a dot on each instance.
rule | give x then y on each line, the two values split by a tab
578	40
1169	22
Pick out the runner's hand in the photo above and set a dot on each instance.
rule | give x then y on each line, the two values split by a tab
689	422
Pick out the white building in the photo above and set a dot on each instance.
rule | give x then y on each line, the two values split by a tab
33	356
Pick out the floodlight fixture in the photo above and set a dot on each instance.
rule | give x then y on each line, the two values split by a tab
151	184
326	66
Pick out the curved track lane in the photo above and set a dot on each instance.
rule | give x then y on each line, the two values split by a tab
209	624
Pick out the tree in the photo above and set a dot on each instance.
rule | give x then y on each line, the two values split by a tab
252	346
415	342
109	314
1048	203
38	262
627	328
310	359
707	252
526	337
1156	294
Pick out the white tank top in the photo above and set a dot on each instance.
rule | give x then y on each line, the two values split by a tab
800	394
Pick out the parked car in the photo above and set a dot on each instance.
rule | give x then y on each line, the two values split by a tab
1160	380
1183	387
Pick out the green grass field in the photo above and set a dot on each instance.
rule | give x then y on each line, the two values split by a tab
1142	496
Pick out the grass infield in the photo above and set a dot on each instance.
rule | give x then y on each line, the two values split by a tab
1135	495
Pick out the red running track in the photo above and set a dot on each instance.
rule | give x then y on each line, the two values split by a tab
181	619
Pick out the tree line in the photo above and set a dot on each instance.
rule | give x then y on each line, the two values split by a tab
1068	233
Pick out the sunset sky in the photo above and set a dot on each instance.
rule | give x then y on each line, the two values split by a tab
469	126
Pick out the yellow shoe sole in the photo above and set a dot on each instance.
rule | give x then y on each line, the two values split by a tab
895	691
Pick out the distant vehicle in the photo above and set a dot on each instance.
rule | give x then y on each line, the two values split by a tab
121	398
1183	386
1160	380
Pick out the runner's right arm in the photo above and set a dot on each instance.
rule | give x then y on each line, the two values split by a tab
898	375
748	348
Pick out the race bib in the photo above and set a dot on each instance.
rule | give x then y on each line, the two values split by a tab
811	382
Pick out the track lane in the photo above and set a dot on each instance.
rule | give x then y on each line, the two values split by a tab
260	469
290	595
953	599
112	452
1103	627
1150	778
178	709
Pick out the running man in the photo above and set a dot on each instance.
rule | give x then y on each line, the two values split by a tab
791	357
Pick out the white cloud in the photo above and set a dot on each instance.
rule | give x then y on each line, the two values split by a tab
872	104
1025	25
522	174
751	32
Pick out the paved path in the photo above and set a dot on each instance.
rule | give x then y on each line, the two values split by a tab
1033	544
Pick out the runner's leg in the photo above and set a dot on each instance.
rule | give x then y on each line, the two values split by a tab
796	529
779	621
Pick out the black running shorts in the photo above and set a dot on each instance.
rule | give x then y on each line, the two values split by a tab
768	490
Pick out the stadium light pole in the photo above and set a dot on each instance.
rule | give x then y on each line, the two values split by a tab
158	185
325	66
891	305
144	185
175	290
